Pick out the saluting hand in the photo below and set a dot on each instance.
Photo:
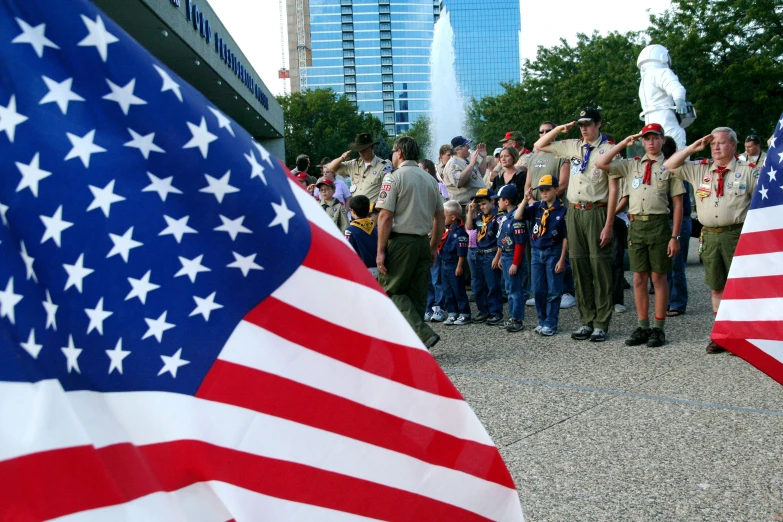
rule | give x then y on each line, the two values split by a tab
630	140
701	144
346	155
567	127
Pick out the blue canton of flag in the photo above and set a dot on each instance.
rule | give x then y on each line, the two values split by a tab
770	183
140	224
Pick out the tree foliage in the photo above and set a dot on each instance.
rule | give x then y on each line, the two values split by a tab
420	131
320	123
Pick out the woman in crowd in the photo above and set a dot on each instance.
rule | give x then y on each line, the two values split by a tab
510	175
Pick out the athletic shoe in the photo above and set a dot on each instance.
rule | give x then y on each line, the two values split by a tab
438	316
598	336
428	316
657	338
537	329
639	336
530	302
450	320
480	318
514	326
620	308
547	331
462	320
567	301
582	333
494	319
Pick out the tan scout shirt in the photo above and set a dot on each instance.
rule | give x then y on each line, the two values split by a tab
365	180
738	187
451	173
646	199
591	185
337	213
540	164
413	195
754	161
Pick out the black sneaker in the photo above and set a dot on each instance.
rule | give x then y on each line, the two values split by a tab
514	325
657	338
494	319
479	318
639	336
583	333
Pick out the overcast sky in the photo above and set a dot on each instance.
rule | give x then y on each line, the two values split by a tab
255	25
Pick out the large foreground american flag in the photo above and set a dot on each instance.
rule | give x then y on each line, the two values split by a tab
750	318
184	334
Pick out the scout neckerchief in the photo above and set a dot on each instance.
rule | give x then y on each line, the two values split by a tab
586	156
720	171
365	224
648	172
752	164
544	216
446	233
483	230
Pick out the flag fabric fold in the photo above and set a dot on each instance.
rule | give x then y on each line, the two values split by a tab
169	344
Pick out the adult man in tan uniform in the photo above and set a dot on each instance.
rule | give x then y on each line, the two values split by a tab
461	176
592	200
365	172
753	156
410	208
724	188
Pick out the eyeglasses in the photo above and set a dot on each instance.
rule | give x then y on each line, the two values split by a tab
753	138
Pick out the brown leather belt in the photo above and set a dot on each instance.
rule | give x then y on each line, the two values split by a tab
587	206
647	217
728	228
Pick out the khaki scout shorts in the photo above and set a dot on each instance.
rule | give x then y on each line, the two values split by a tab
717	254
647	244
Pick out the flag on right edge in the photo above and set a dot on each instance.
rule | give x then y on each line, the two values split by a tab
750	317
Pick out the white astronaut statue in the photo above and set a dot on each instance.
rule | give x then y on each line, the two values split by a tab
662	95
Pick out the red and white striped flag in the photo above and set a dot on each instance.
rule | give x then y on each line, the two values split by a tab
175	342
750	318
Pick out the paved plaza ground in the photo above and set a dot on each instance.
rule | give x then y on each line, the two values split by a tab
605	432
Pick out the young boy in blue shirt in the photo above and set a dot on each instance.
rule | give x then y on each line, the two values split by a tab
549	246
482	216
510	256
362	233
452	254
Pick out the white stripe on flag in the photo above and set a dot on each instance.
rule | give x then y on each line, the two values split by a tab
757	265
142	418
772	348
770	309
211	502
377	313
255	347
762	219
314	213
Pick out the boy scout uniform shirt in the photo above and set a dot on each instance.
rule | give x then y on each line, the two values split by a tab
451	174
489	239
739	184
456	244
510	231
588	185
540	164
412	194
555	230
366	180
336	212
645	199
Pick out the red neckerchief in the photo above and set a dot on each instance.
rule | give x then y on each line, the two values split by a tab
720	171
648	172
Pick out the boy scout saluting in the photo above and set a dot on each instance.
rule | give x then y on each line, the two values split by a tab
651	242
724	189
365	172
590	220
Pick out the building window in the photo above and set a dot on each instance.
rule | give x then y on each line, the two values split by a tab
350	80
386	52
347	18
388	95
349	62
351	97
347	45
347	54
388	117
383	2
346	2
386	61
390	130
349	71
347	36
386	69
385	26
388	106
385	18
347	10
385	44
435	11
388	78
350	88
347	27
388	87
385	35
384	9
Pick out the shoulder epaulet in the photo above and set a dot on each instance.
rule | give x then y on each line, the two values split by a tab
609	142
704	161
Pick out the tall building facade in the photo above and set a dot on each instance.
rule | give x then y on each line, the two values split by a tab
486	44
376	52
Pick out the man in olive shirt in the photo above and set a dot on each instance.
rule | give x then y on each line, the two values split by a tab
464	177
651	242
592	199
365	172
724	188
410	208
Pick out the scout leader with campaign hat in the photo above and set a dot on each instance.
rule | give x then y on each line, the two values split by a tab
463	177
592	200
652	242
365	172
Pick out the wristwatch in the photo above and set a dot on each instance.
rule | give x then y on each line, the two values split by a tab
676	237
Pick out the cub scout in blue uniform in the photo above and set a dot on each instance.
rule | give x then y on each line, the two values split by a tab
331	205
652	243
452	252
482	217
549	246
510	256
362	233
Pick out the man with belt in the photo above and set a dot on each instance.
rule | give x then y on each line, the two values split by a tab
590	220
651	243
463	177
724	190
365	172
410	208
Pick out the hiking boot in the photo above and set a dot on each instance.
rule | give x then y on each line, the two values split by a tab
583	333
598	336
494	319
657	338
639	336
514	326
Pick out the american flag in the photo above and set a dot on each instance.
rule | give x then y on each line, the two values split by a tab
750	318
184	334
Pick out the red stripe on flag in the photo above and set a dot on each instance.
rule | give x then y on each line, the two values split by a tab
764	242
762	287
771	330
754	356
56	483
409	366
330	255
273	395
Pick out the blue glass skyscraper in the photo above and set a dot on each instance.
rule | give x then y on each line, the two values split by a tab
486	44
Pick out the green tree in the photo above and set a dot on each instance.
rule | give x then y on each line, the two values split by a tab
320	123
420	131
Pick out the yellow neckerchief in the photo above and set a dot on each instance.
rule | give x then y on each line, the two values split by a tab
482	231
542	226
365	224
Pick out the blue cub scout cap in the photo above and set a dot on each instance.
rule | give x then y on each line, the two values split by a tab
459	141
509	192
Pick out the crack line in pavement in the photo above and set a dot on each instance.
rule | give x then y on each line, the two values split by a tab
614	392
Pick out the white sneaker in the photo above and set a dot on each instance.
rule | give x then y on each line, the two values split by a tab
428	316
547	332
530	302
450	320
537	329
567	301
620	309
462	320
438	316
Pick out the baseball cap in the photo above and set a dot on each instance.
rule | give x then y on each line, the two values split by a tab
325	181
513	136
497	151
508	192
652	127
484	193
459	141
589	114
547	182
301	175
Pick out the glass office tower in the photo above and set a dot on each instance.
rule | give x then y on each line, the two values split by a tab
377	53
486	44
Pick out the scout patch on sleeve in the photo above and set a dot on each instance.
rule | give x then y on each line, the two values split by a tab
387	168
388	180
386	187
383	195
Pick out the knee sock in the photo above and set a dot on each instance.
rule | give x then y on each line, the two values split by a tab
644	323
659	322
